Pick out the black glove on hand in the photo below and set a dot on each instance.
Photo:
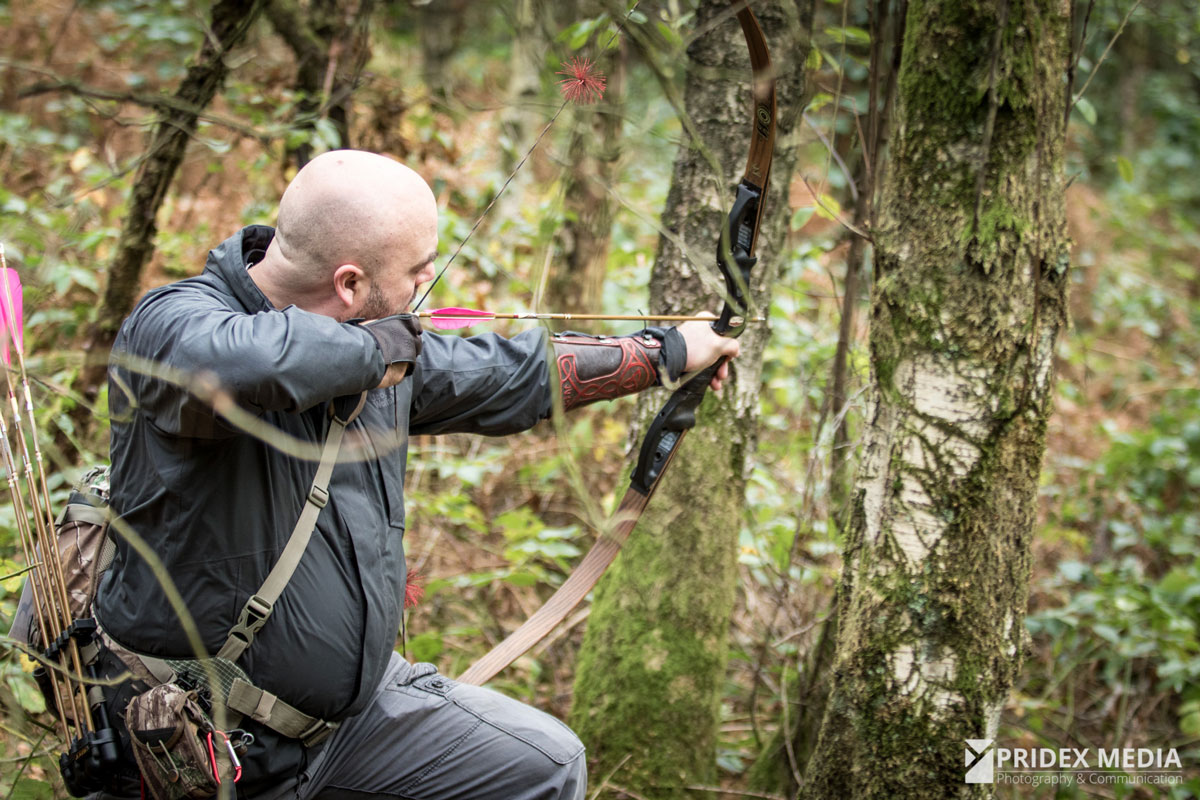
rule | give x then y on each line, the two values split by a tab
398	337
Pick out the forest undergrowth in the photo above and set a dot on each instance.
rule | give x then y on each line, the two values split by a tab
493	525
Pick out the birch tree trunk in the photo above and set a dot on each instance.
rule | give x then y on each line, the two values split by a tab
652	670
969	300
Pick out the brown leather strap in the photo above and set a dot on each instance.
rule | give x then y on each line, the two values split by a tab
570	594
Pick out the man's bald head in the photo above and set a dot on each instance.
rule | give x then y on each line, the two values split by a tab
354	207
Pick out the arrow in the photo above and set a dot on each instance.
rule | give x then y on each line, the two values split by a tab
448	319
11	313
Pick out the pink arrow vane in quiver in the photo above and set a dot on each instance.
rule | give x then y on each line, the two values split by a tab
12	312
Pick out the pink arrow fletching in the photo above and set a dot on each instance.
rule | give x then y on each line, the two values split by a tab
449	319
14	324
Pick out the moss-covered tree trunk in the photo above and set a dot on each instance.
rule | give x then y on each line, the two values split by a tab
969	300
230	22
331	43
652	669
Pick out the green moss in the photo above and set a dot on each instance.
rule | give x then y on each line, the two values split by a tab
652	667
962	224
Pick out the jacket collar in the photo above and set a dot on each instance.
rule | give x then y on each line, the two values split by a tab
229	260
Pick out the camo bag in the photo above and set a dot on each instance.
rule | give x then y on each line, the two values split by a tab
177	749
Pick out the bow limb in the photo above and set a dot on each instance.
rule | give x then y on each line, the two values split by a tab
735	258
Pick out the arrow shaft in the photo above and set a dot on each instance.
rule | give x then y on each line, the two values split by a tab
562	316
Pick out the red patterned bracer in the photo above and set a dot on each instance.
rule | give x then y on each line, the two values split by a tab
592	368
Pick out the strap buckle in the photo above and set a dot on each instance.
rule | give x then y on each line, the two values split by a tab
260	609
318	496
316	733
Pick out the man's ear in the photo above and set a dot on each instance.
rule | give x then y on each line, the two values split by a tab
350	284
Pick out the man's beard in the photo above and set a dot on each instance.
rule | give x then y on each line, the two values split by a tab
376	306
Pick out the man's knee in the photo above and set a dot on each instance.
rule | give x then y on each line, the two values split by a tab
550	778
552	761
574	780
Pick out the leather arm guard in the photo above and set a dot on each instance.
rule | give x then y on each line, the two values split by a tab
592	368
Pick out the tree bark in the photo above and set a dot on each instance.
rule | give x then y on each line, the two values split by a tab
577	285
231	19
970	297
331	45
441	26
524	114
652	669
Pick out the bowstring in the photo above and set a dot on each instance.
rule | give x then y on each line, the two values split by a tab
513	174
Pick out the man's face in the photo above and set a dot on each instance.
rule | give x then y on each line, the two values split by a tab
394	289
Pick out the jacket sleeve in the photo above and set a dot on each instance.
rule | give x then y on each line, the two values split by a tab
285	360
483	384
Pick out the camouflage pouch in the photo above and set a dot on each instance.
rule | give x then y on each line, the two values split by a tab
173	744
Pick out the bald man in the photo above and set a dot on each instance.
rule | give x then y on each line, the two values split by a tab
299	325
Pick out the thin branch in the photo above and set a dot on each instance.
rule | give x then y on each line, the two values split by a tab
604	783
1104	55
841	79
812	190
155	102
736	792
62	28
836	156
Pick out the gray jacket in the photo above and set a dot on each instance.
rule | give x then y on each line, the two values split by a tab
217	504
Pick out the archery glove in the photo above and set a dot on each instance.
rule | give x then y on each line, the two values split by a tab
398	337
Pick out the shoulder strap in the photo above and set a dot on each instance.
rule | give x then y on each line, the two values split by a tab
261	604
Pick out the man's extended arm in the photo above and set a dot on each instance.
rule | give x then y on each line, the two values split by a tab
492	385
592	368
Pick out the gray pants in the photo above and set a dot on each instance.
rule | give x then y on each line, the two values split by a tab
426	737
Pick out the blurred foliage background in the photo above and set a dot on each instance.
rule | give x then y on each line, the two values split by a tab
494	525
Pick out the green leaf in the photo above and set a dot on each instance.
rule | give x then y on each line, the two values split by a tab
831	61
218	146
1107	632
820	99
1086	110
580	38
12	575
518	524
1189	719
801	218
852	35
426	646
1125	168
828	207
327	133
521	579
31	789
28	696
